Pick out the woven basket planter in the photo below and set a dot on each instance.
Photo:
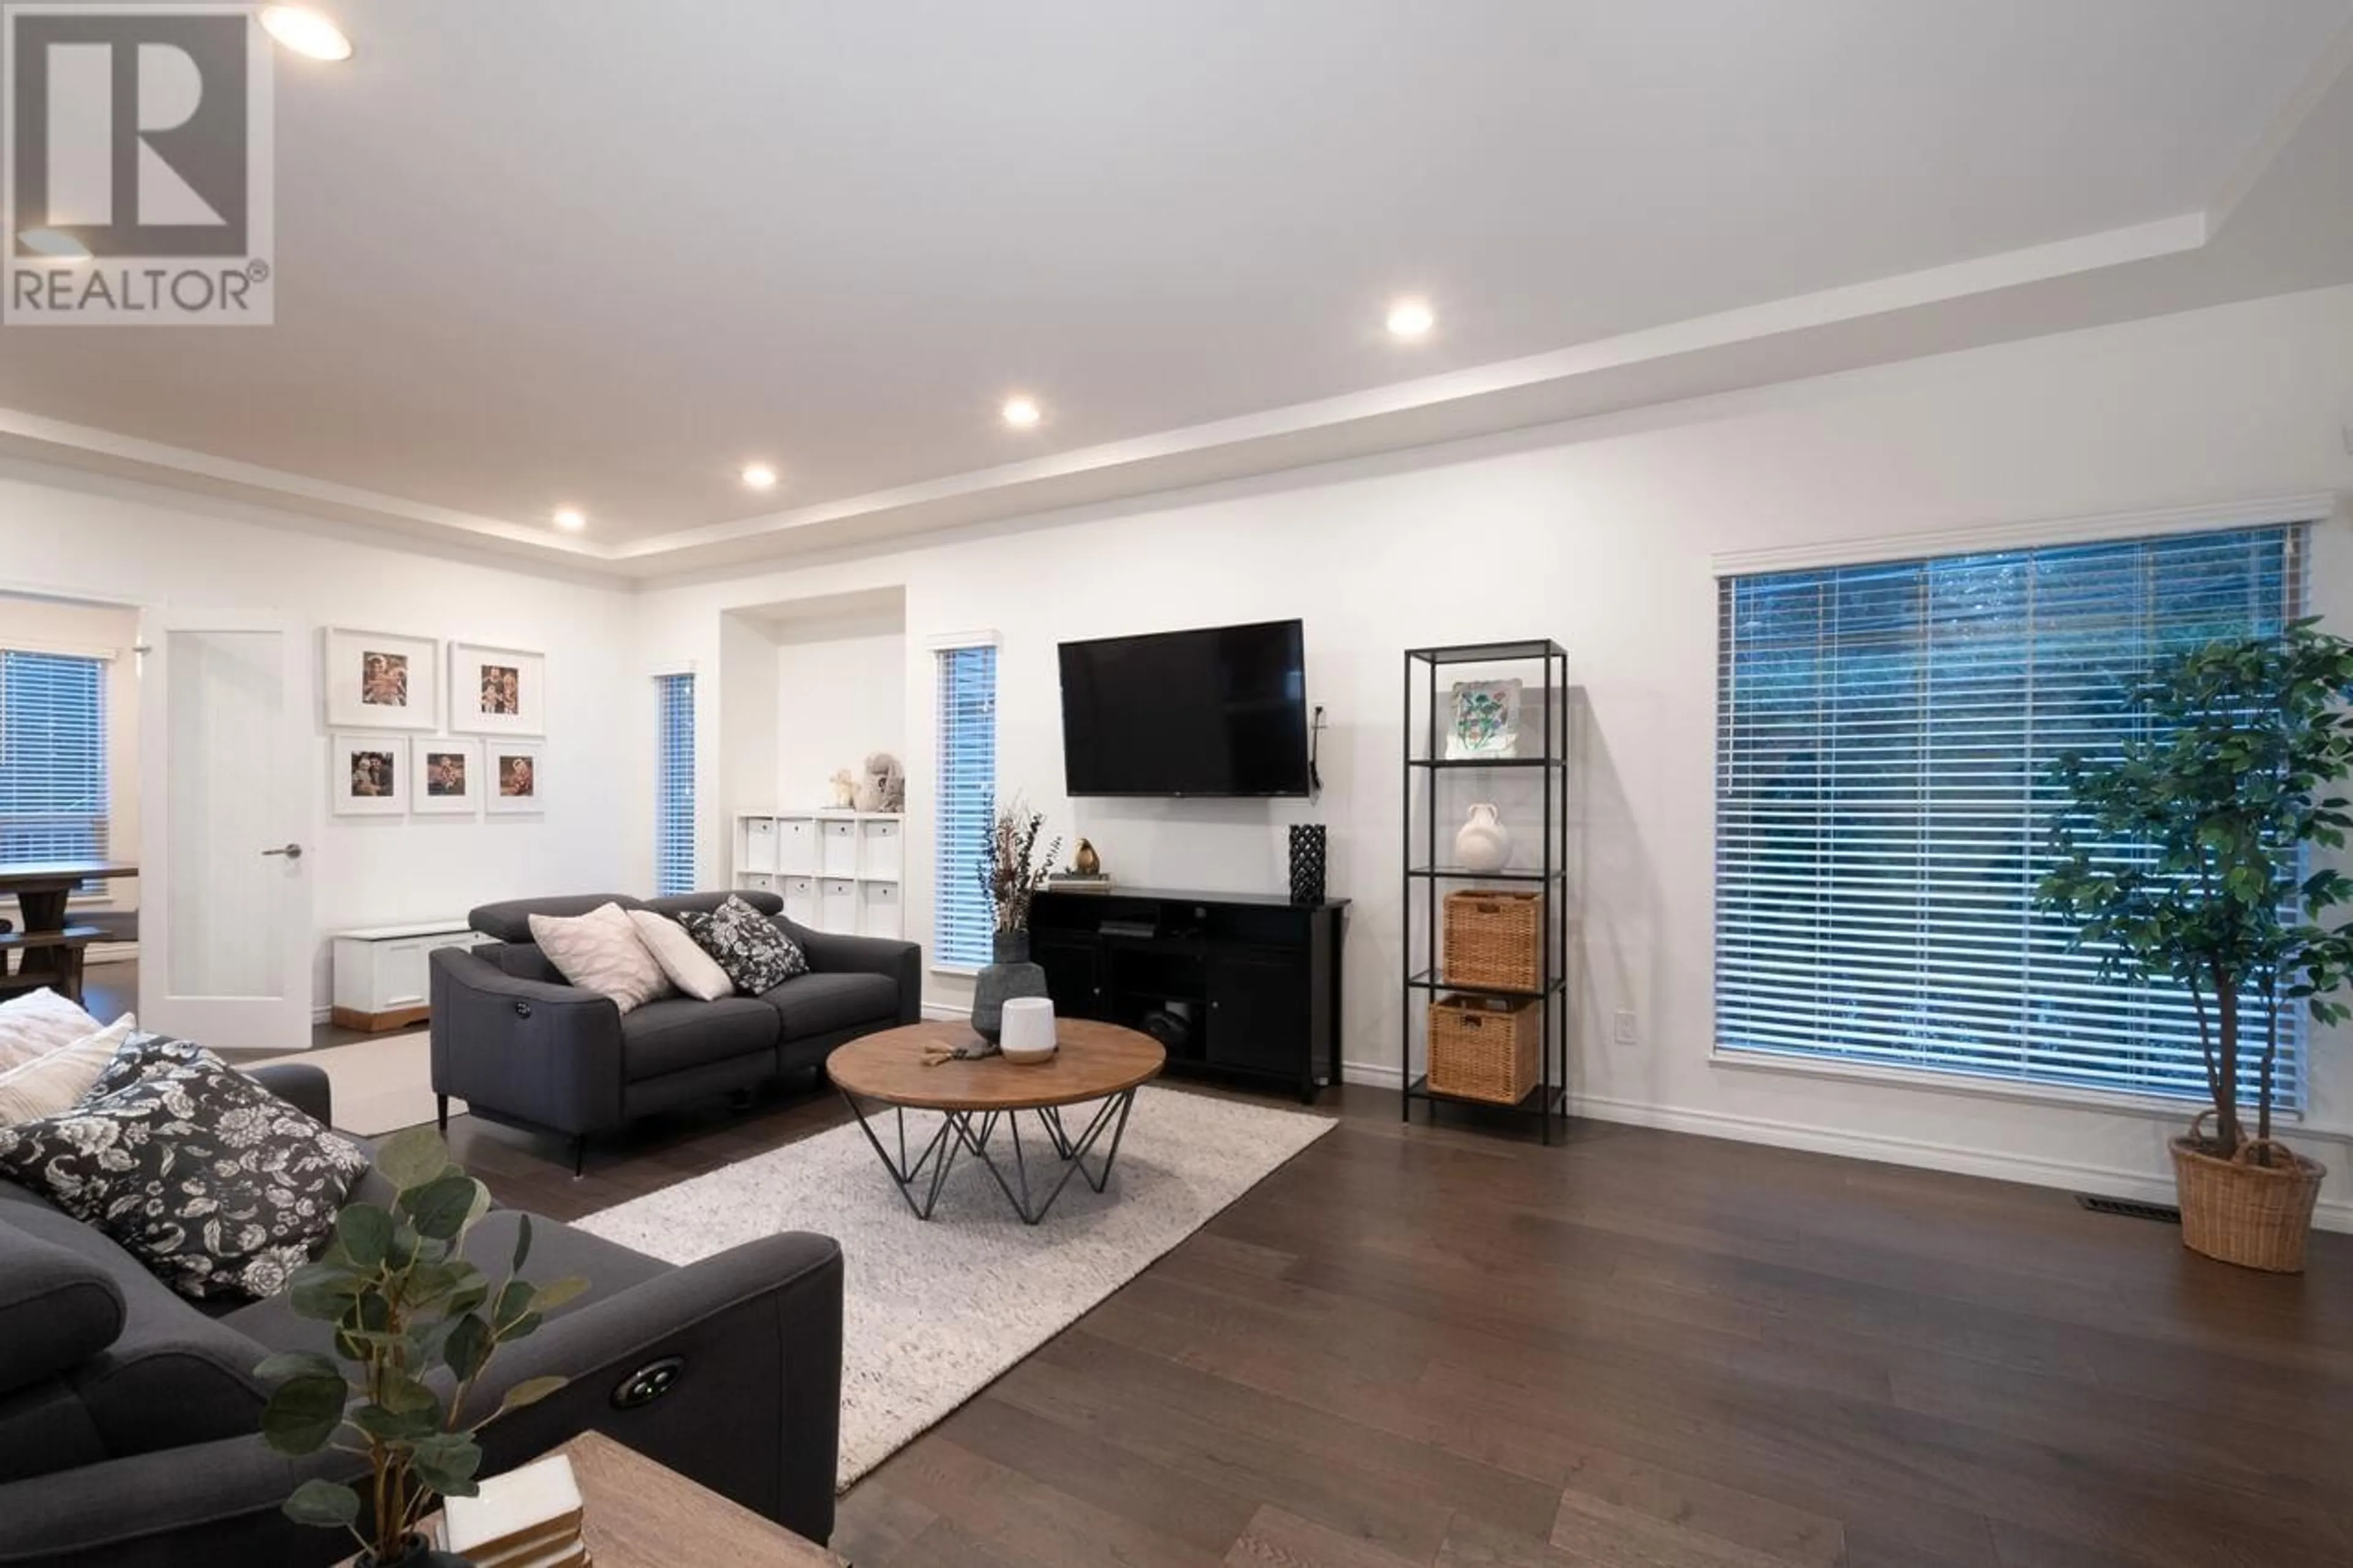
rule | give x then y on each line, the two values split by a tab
2236	1211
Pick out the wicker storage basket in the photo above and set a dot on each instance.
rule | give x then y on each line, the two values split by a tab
2234	1210
1485	1048
1495	940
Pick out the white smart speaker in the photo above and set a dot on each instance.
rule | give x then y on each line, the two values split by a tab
1029	1030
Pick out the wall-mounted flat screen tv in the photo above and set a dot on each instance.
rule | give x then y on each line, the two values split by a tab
1221	712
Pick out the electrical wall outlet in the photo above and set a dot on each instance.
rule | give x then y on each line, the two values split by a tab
1623	1029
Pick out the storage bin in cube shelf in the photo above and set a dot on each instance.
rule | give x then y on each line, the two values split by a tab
800	900
877	910
797	845
837	852
837	904
760	844
880	850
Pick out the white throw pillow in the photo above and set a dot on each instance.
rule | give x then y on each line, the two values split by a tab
690	968
600	951
37	1022
48	1085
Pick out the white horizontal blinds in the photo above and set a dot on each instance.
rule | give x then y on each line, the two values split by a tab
53	788
963	920
1884	740
674	784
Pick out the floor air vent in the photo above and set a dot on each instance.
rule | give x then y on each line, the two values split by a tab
2130	1209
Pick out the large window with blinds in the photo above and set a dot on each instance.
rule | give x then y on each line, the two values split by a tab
962	919
53	776
674	784
1884	739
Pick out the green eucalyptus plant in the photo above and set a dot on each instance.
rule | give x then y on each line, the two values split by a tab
2231	782
415	1325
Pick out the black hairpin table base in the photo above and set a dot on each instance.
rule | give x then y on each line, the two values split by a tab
922	1166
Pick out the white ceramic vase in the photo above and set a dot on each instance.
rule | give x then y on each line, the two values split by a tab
1482	843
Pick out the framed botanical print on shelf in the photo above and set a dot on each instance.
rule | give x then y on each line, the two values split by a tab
369	775
514	779
377	681
497	690
449	778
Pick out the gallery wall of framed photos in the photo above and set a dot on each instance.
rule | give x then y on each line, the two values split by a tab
423	728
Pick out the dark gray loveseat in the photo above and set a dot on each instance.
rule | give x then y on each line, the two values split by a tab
127	1413
521	1045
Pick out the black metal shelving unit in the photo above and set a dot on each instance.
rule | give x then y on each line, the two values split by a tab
1548	1104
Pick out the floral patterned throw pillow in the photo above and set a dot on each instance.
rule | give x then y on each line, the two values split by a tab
218	1186
753	949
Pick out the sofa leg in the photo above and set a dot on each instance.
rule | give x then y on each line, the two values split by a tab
579	1155
441	1110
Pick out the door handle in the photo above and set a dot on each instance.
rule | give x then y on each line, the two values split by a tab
292	851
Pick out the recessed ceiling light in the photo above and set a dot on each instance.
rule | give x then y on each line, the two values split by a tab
1022	412
1410	318
759	476
55	244
571	520
306	32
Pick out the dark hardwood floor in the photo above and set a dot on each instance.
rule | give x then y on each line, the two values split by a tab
1436	1346
1440	1347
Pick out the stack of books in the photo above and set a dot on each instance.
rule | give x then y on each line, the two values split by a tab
1077	882
528	1518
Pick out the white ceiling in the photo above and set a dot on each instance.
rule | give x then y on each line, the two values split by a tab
543	252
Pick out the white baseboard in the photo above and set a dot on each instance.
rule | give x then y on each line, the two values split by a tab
946	1010
2078	1176
109	953
2334	1213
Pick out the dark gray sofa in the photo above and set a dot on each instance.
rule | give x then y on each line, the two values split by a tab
127	1413
521	1045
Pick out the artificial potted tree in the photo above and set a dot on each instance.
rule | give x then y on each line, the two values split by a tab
2230	785
405	1306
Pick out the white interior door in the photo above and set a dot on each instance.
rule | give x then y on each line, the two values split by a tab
227	769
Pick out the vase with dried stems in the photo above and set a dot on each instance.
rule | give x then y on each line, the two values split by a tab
1013	870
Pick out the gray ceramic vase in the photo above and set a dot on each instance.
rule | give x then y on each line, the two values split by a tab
1009	975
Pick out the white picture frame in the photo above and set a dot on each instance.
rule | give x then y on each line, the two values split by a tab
497	690
367	775
380	680
450	777
513	781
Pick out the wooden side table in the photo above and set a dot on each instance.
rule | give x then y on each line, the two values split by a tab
638	1514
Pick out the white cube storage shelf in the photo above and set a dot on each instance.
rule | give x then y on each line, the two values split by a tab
836	871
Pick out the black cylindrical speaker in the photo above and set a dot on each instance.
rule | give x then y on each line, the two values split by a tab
1307	863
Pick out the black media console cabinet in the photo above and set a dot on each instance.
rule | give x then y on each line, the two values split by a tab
1239	984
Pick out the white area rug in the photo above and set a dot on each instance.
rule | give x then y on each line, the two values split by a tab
381	1085
934	1310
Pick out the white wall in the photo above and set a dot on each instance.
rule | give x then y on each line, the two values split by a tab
840	698
1600	534
73	534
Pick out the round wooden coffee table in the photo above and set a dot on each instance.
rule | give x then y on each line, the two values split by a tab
1095	1062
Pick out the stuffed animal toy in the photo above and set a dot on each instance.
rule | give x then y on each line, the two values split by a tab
884	785
845	790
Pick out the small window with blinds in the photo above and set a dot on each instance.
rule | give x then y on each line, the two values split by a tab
1884	740
674	784
963	920
53	773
